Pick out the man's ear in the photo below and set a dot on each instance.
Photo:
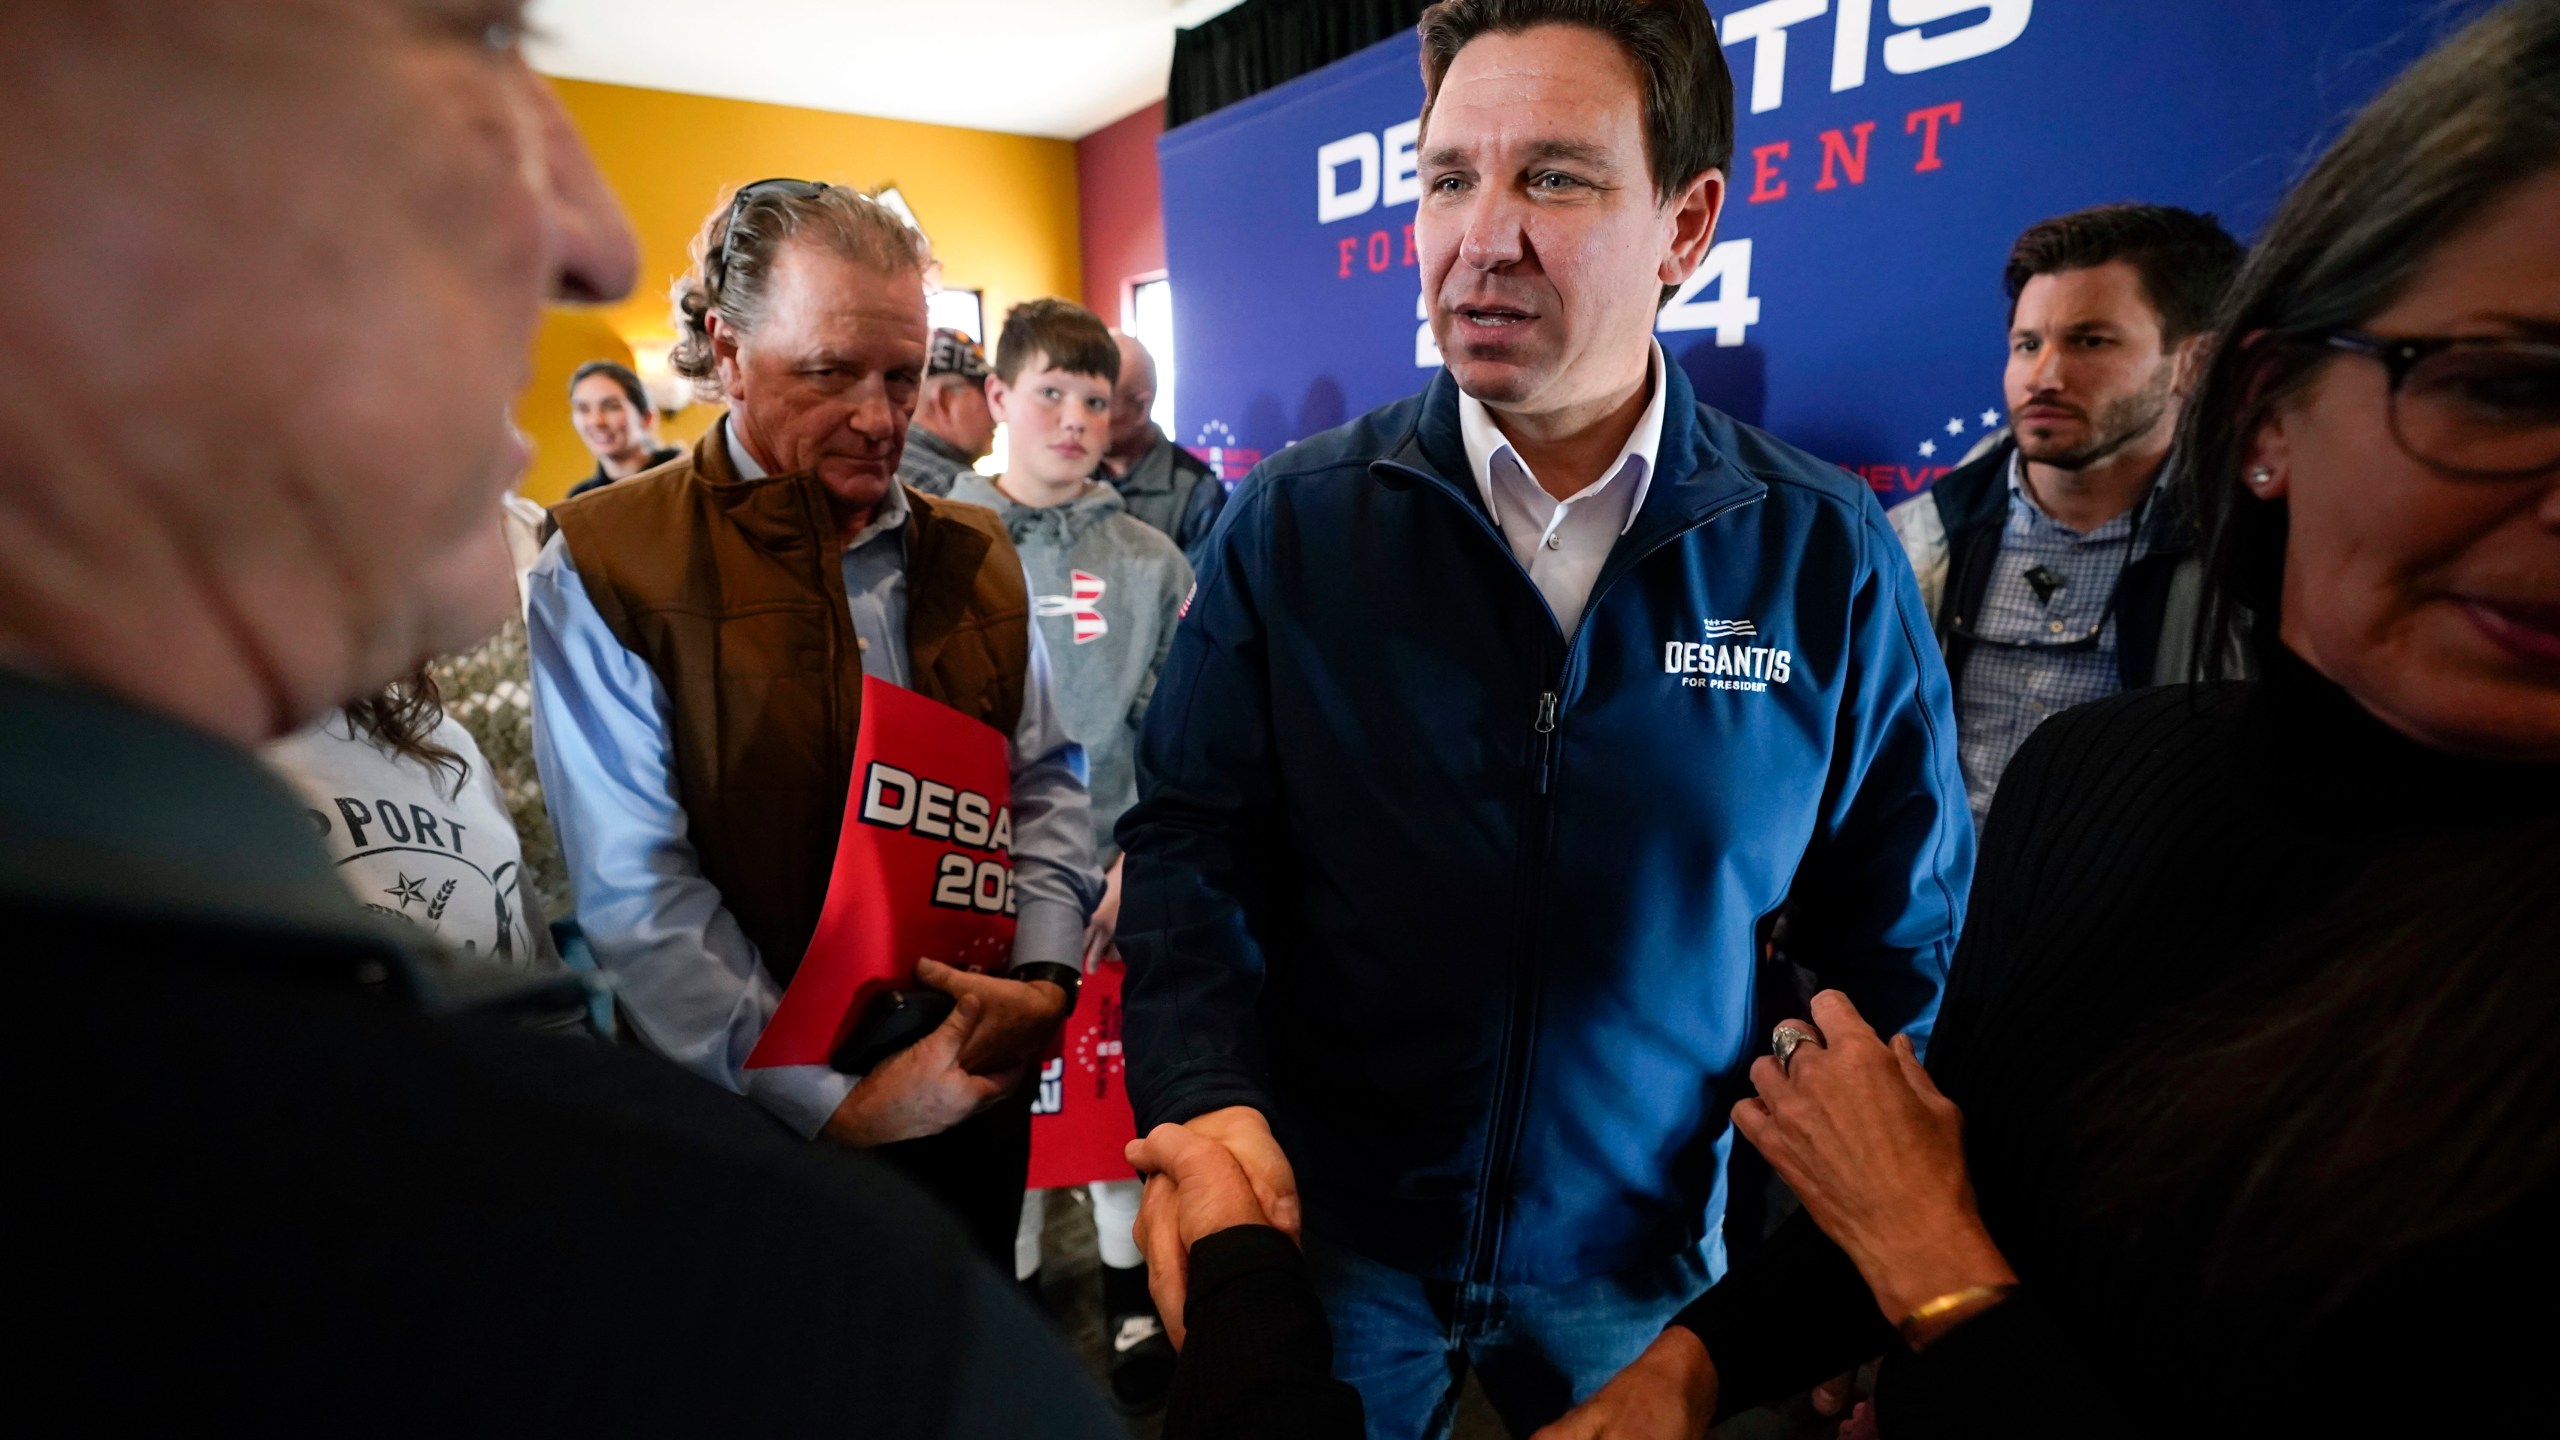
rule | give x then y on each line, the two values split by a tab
997	394
724	354
1694	213
2190	360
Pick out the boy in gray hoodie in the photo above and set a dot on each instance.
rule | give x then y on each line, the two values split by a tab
1107	589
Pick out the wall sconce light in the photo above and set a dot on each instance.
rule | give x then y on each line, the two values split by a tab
669	392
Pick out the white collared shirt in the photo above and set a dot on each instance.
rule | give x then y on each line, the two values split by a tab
1562	543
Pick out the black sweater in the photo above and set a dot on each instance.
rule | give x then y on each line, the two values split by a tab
2142	853
1259	1361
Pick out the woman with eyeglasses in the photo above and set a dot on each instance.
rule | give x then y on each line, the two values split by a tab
2242	1115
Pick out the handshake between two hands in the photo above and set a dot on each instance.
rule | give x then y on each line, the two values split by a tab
1855	1126
1211	1173
1224	1169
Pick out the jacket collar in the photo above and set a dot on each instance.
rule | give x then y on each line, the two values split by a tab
1486	444
778	511
105	804
1695	478
1151	475
920	438
1976	495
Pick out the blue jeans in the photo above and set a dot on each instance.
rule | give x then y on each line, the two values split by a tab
1406	1343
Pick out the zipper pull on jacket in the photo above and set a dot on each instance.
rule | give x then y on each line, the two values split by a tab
1546	732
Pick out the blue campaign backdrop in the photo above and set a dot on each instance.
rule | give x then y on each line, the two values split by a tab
1889	151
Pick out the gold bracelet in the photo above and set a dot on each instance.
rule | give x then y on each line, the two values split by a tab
1947	1304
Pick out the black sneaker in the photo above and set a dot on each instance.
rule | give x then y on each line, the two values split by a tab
1142	1356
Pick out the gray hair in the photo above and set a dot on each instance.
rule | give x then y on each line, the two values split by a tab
733	258
2454	135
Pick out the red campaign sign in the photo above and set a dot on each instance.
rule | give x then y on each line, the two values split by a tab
1080	1119
924	869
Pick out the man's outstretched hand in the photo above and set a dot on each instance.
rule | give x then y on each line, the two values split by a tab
1016	1017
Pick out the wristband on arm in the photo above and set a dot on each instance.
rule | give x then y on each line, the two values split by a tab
1065	977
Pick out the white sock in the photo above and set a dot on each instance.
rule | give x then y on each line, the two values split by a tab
1115	1222
1026	1237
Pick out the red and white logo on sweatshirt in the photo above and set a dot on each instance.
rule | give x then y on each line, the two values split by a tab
1083	607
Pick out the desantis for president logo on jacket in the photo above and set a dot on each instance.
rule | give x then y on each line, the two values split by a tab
1730	658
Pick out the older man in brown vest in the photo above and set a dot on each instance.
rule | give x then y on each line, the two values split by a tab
700	635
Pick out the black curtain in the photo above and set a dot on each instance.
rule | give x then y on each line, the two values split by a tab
1263	43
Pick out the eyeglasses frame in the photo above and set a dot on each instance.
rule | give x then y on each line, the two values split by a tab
2400	355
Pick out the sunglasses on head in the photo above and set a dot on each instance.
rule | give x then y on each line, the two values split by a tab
748	194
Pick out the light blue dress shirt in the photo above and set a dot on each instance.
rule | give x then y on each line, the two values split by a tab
2019	673
687	976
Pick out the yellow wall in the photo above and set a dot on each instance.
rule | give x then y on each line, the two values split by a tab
1001	210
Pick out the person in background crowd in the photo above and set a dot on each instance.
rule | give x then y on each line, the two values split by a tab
2242	1116
415	821
954	428
611	410
1107	590
400	1212
1165	485
697	702
1456	830
2056	564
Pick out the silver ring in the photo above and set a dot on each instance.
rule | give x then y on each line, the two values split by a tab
1784	1040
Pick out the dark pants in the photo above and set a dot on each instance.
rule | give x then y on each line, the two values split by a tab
976	1169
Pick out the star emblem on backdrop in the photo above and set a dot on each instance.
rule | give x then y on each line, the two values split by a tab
1955	429
408	890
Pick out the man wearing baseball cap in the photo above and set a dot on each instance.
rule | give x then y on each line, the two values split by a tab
952	427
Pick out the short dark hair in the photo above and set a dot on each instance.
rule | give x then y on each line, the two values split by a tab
620	375
1073	338
1688	90
2186	260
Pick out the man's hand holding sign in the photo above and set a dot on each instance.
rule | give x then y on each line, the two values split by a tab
922	896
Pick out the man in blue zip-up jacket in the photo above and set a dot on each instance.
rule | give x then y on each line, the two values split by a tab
1502	719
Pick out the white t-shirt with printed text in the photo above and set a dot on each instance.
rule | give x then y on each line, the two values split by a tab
408	845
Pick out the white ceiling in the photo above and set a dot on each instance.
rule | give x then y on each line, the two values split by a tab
1062	68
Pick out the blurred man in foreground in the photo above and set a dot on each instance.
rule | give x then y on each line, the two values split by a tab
307	1182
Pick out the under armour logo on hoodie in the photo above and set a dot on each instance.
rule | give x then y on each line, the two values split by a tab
1084	606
